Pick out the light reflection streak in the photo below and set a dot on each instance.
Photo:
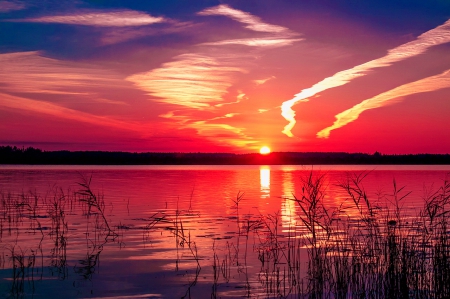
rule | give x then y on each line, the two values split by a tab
288	215
264	175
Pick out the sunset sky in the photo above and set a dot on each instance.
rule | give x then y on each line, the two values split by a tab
226	76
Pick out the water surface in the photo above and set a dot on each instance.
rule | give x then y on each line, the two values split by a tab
171	225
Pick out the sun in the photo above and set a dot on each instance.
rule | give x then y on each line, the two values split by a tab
264	150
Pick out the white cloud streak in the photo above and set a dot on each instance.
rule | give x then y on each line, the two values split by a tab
434	37
424	85
279	36
252	22
125	18
268	42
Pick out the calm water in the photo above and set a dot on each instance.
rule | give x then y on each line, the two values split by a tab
177	231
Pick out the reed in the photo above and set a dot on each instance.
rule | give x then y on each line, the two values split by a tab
93	202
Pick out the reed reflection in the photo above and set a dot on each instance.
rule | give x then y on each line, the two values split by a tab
264	175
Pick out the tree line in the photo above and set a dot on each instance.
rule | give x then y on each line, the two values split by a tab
30	155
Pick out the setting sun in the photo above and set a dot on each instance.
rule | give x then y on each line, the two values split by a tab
264	150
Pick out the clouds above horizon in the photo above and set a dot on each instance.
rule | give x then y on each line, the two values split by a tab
437	36
215	72
200	79
30	72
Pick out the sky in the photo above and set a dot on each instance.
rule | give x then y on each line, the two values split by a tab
226	76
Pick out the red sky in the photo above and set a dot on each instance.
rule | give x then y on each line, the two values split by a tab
228	76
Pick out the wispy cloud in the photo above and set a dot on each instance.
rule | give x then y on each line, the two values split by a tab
434	37
223	133
7	6
30	72
424	85
192	80
278	36
42	107
124	18
252	22
118	35
199	80
269	42
262	81
241	96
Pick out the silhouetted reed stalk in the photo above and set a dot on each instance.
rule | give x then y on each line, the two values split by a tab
58	233
183	237
92	201
22	270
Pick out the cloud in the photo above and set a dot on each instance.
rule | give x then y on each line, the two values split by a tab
118	35
42	107
424	85
30	72
252	22
434	37
7	6
124	18
262	81
279	36
241	96
200	79
268	42
223	133
192	80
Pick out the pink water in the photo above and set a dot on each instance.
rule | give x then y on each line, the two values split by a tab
145	263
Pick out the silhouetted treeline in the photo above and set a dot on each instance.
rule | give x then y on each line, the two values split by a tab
14	155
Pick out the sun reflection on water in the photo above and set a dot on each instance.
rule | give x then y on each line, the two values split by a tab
288	215
264	175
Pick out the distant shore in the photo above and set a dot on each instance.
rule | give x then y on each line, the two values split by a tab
14	155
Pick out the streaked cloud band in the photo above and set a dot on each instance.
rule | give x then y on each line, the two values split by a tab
424	85
125	18
191	80
252	22
434	37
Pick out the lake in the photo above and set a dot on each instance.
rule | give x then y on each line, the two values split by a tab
195	231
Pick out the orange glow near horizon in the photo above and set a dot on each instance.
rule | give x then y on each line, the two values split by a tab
264	150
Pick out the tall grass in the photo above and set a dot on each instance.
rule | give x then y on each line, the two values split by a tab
379	253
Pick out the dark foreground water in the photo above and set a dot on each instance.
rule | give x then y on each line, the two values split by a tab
181	231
